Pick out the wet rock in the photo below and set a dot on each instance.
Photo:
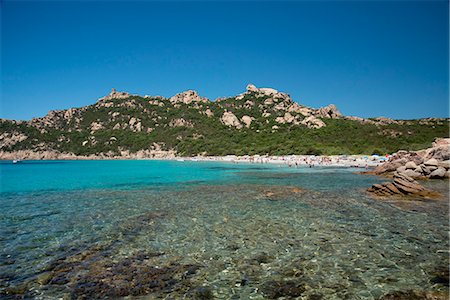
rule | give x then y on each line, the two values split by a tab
278	289
402	185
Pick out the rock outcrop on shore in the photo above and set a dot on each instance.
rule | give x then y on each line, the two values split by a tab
55	155
402	185
429	163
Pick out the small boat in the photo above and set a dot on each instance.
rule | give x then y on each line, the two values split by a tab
15	161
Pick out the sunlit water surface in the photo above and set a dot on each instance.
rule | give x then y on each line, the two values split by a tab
200	230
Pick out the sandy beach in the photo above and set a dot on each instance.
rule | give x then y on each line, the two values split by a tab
362	161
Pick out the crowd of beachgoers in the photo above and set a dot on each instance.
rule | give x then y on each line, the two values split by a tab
359	161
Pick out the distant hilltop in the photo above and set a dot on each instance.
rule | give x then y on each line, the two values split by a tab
257	121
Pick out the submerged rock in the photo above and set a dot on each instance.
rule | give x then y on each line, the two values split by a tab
277	289
263	258
415	295
440	276
129	277
276	194
202	293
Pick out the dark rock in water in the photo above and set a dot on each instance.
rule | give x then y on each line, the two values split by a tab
262	258
277	289
293	273
276	193
20	291
440	276
202	293
92	275
233	247
244	281
44	278
147	255
402	185
60	279
250	270
415	295
190	270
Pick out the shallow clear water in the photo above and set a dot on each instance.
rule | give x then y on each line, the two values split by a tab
167	229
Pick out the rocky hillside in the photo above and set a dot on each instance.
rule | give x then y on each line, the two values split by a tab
258	121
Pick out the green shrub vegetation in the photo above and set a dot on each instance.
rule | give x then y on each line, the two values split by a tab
207	135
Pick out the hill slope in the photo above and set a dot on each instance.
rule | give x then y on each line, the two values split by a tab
259	121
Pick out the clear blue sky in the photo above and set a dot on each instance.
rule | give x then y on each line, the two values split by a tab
369	58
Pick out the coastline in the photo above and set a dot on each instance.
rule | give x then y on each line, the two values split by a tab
360	161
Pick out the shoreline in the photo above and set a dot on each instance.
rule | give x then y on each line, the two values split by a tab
347	161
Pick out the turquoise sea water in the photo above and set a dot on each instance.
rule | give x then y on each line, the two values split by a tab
204	230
